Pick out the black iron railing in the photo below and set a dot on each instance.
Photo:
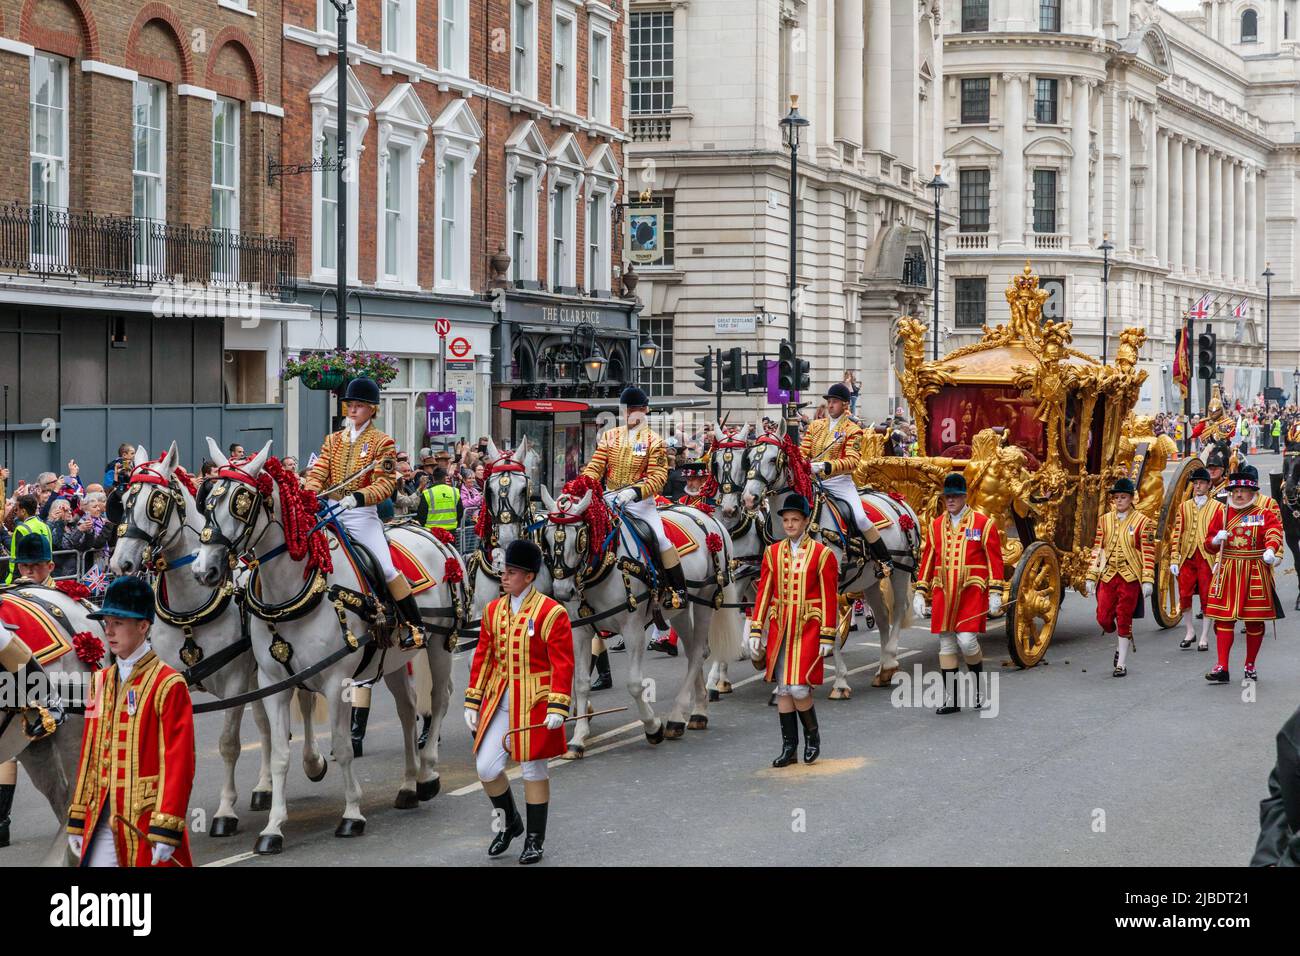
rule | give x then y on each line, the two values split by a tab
52	242
914	270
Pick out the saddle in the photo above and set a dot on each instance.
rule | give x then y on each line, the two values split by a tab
847	533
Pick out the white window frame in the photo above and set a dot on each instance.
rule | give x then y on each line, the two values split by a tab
228	270
403	44
48	247
525	169
453	56
598	70
602	182
564	94
525	85
566	167
403	124
327	23
157	211
456	137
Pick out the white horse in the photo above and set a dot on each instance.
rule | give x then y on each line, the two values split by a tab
198	631
767	463
304	618
611	585
51	762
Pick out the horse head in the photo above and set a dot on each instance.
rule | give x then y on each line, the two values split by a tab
566	541
507	496
156	509
237	510
727	465
765	467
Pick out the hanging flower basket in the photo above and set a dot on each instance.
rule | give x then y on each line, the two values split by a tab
330	371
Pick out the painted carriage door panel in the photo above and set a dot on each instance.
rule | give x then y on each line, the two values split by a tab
173	348
38	396
83	375
207	361
129	374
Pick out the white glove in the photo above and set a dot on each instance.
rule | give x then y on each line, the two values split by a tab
995	602
162	852
918	605
74	842
553	721
755	646
1090	588
1270	556
347	503
827	648
1173	569
1146	590
471	720
625	496
1221	537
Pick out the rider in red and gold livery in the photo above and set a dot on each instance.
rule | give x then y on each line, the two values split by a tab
1246	538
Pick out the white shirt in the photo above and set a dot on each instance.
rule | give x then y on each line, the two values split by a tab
956	518
126	664
1201	499
354	432
794	546
517	601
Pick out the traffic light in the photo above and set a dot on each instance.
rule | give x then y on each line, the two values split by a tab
704	374
756	379
1206	358
785	367
733	370
803	378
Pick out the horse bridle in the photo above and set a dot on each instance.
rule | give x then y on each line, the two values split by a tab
506	467
165	500
722	463
247	504
560	571
753	473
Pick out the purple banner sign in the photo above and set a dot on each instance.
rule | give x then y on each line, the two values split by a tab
776	395
441	410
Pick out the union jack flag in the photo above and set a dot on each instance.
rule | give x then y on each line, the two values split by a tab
1239	312
1201	310
95	580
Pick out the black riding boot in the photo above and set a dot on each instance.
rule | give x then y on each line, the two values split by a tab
6	803
676	579
410	613
603	681
812	738
880	551
949	692
360	715
975	671
789	740
536	834
511	824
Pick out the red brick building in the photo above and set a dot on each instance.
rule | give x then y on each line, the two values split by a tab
477	129
145	272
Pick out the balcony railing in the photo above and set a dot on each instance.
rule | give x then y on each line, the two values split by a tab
53	242
972	240
651	129
914	270
1050	240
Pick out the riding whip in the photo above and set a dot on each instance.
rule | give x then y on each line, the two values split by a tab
140	833
971	617
517	730
388	465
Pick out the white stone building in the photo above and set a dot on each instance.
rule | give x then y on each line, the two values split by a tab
708	82
1172	134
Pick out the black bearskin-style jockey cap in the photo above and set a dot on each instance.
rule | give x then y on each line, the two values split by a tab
127	597
839	390
954	484
1123	486
1200	474
523	555
795	502
633	397
362	390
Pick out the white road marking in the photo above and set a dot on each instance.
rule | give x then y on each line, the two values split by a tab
237	858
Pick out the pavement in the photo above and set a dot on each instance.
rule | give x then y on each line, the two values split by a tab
1073	767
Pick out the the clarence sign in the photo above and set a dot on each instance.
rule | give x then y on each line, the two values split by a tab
569	315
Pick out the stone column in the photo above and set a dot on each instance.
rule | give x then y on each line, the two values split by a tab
1012	201
1241	215
1099	171
1149	243
1215	205
1159	183
1174	198
1203	211
879	77
848	70
1191	206
1251	240
1123	175
1230	220
1082	93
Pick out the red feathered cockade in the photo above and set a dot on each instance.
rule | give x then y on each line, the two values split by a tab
443	535
89	648
713	542
906	523
73	589
452	573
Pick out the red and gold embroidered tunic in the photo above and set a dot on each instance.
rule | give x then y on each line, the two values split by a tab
1125	545
1188	536
841	445
340	456
1242	589
531	655
630	459
960	562
798	603
137	760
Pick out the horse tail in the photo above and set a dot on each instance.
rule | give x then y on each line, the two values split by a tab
727	627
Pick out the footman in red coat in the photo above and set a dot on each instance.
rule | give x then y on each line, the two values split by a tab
1123	569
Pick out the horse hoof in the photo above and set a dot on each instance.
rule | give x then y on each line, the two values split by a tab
574	753
350	828
269	844
675	730
324	766
406	800
715	696
429	789
223	826
261	800
657	737
697	722
840	693
725	687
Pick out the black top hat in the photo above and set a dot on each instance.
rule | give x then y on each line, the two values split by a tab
362	390
127	597
1123	486
839	390
954	484
634	397
795	502
524	556
32	548
1244	479
1200	474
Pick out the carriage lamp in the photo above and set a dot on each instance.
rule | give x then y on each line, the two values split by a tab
649	351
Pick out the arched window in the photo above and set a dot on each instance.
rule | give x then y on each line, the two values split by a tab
1249	26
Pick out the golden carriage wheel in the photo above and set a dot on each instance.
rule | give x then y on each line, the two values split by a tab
1034	604
1164	596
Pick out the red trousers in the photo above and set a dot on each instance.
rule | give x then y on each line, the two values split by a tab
1225	633
1193	578
1116	601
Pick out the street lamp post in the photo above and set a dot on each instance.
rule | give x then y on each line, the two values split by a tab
1106	248
341	8
1268	323
792	125
938	185
1295	386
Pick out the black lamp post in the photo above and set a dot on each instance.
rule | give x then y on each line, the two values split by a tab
1106	247
1268	322
792	125
938	185
341	8
1295	386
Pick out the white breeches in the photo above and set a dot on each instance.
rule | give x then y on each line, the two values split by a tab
490	761
363	525
797	691
101	851
647	511
968	642
844	491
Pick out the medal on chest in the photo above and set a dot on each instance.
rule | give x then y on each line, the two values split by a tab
130	702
